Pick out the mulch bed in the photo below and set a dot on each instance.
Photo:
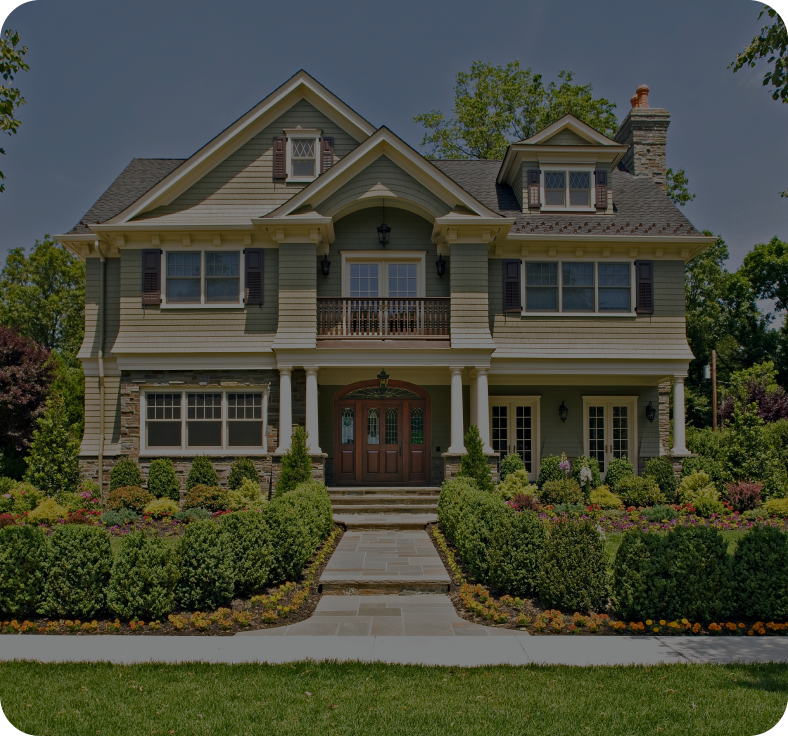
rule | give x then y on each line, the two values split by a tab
277	606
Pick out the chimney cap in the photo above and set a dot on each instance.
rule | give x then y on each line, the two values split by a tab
640	98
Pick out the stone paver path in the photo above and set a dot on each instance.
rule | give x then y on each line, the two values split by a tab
384	615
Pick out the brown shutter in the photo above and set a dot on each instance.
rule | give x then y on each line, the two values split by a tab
151	277
511	286
326	154
601	189
534	198
280	166
644	287
253	258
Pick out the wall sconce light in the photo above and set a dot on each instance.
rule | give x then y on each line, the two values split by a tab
325	265
651	412
563	412
383	381
440	265
383	229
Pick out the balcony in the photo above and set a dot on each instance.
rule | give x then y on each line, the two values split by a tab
383	318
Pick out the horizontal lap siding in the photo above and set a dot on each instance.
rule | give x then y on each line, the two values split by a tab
469	307
151	330
90	343
90	438
669	295
297	297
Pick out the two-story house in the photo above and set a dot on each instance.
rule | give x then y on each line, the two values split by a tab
305	267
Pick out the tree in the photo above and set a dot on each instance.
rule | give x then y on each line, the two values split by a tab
495	105
474	463
766	268
296	463
26	373
11	63
53	462
678	187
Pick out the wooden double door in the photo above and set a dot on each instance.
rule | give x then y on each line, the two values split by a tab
382	441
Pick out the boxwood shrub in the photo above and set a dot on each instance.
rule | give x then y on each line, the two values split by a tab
549	470
249	539
450	504
479	516
618	469
641	491
760	573
515	553
212	498
142	583
205	567
661	470
79	562
22	559
241	469
201	473
510	464
128	497
125	473
573	574
561	491
162	480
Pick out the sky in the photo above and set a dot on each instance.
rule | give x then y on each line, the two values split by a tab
111	81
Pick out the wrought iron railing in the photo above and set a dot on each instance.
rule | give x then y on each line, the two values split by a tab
383	318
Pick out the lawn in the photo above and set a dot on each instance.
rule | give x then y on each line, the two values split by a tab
613	541
331	698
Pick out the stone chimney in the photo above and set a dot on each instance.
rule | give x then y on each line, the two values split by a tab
645	131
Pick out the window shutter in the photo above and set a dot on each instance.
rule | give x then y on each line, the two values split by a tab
644	284
280	166
601	189
326	154
511	286
151	277
253	258
534	199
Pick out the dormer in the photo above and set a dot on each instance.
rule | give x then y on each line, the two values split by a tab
565	167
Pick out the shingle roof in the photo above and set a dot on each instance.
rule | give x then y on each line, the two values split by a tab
137	178
640	206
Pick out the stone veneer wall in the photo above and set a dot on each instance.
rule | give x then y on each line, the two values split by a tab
664	418
453	463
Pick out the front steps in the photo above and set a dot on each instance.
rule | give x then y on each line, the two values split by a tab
392	508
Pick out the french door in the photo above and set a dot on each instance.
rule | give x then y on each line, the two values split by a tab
514	429
610	428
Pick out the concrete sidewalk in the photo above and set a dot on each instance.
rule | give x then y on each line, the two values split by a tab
427	650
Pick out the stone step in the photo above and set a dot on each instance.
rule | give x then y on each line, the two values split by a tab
385	509
355	491
384	499
382	585
384	522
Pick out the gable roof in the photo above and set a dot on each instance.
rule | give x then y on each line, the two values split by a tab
590	135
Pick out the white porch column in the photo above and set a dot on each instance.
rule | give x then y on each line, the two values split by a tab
457	446
679	435
311	411
285	411
474	414
482	408
265	420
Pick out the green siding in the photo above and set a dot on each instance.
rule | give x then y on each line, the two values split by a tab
669	288
469	307
297	292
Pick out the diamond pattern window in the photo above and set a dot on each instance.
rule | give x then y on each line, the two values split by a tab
303	160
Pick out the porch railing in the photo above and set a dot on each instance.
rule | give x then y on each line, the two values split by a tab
383	319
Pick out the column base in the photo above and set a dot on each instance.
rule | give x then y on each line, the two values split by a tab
452	463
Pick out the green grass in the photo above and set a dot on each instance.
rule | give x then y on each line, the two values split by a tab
379	699
613	541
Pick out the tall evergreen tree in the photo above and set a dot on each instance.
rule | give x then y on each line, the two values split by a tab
296	463
474	463
53	464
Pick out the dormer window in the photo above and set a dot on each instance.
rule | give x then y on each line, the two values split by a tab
567	188
303	154
579	188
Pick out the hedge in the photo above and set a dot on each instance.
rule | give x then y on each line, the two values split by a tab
125	473
515	554
450	504
481	513
249	539
760	573
205	567
23	552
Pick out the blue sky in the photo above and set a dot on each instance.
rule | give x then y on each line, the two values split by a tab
111	81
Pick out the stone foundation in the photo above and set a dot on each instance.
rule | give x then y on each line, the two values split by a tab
453	463
664	418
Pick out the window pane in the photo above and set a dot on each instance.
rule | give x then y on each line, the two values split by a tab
596	435
347	426
500	429
244	406
204	434
204	406
522	434
579	180
363	279
183	265
614	300
402	279
222	264
578	300
245	434
391	426
163	406
184	291
555	180
303	148
540	299
578	274
417	426
164	434
304	167
541	274
614	274
373	428
580	189
574	276
222	290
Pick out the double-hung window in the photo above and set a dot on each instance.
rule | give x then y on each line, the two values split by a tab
567	189
204	278
578	287
303	158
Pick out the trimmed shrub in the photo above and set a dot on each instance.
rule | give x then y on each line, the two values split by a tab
142	583
479	516
660	513
296	463
247	496
760	573
641	491
119	517
564	490
201	473
706	502
188	515
573	574
128	497
79	562
20	498
48	511
450	504
549	470
213	498
589	478
524	502
713	468
776	507
510	464
691	484
160	508
162	481
474	463
70	501
250	543
125	473
205	567
618	469
571	509
642	586
661	470
242	469
517	483
605	499
23	552
515	553
744	496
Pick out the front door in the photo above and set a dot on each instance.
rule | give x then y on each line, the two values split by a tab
381	454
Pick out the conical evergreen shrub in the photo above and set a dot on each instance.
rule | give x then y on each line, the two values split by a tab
474	463
125	473
296	463
162	481
201	473
53	464
241	469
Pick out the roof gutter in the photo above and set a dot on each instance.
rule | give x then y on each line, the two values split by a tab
102	411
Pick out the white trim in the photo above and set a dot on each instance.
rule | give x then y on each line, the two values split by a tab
203	304
382	257
567	169
608	402
585	131
306	134
535	402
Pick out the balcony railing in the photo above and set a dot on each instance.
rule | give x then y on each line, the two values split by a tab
383	319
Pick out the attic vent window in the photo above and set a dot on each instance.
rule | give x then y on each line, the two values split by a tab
303	159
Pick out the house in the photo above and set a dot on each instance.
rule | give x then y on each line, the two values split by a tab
307	268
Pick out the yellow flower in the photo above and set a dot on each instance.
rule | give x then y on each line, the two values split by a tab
662	622
648	622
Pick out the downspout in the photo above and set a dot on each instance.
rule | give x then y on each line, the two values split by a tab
101	369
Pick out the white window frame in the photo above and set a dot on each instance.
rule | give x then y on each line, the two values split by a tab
631	402
184	449
567	169
535	402
383	259
203	304
310	134
571	315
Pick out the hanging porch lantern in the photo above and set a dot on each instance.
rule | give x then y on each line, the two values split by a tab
383	381
383	229
651	412
440	266
563	412
325	265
